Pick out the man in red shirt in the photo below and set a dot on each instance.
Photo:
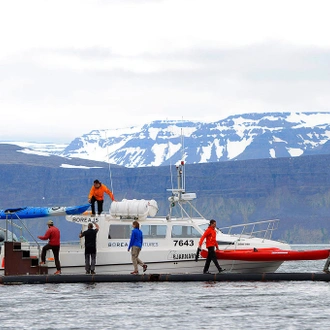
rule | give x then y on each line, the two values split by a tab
53	235
211	243
96	195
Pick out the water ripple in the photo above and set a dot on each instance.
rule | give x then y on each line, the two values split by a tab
164	305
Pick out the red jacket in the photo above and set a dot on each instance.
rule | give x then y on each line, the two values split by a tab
211	238
53	234
98	193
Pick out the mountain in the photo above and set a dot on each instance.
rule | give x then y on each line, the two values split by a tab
239	137
295	190
162	143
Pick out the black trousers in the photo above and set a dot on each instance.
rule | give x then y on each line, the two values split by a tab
90	261
99	205
211	256
56	252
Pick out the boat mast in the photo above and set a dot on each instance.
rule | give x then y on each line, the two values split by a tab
177	193
180	177
179	196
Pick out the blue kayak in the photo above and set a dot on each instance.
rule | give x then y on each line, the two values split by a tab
41	212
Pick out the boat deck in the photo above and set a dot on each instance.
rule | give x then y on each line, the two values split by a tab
224	277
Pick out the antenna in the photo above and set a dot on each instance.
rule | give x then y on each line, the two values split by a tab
108	161
183	160
170	159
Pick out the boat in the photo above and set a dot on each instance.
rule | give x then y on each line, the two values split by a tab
170	241
269	254
40	212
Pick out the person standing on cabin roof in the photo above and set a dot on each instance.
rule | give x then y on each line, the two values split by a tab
53	235
90	247
211	244
96	194
136	243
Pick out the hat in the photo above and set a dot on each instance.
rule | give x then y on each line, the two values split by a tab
50	222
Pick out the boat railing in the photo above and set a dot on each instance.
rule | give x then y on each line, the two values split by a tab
261	229
184	210
9	235
10	222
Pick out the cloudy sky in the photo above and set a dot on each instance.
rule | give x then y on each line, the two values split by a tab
70	66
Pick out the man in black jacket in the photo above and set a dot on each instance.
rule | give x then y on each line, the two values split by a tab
90	247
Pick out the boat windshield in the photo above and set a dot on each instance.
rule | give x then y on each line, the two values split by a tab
184	231
203	226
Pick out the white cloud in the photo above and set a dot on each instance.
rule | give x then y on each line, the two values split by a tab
68	67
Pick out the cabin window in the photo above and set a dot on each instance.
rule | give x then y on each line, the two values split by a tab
120	231
154	231
149	231
184	231
204	226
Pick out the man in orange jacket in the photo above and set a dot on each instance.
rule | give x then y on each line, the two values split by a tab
211	243
96	194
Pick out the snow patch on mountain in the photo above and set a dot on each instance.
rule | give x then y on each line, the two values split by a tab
238	137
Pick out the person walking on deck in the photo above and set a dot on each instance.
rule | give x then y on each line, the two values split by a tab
326	266
135	244
211	244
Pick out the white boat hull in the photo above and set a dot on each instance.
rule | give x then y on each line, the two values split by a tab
162	261
169	267
169	242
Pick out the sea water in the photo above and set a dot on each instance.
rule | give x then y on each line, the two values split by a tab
171	305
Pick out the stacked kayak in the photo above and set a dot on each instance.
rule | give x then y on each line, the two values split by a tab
269	254
40	212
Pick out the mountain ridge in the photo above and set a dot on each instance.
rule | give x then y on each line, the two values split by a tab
238	137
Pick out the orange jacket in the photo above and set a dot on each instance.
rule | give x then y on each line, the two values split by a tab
211	238
98	193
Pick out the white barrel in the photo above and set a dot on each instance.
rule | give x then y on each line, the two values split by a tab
153	207
134	208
